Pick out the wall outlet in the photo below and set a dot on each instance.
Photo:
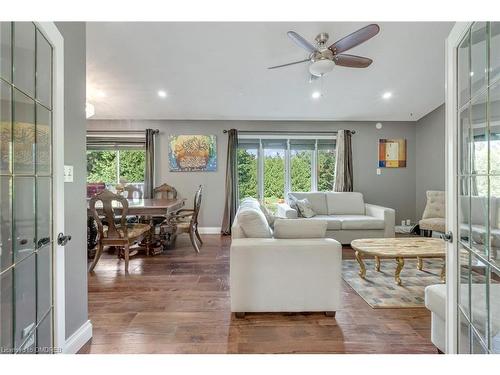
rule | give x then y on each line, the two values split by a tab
379	171
68	173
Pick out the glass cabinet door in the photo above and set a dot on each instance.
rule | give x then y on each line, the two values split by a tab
26	240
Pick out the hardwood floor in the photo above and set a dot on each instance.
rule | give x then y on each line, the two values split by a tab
178	302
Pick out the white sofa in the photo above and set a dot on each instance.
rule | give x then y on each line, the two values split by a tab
347	215
283	274
435	301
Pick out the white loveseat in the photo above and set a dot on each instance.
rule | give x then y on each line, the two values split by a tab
293	274
347	215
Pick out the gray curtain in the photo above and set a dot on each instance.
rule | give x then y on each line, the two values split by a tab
231	200
343	162
149	177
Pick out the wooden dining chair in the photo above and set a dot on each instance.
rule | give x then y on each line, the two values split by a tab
165	191
113	233
185	221
130	190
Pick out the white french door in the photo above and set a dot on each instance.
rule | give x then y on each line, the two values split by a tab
31	176
473	187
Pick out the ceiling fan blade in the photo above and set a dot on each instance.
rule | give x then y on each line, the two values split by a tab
301	42
352	61
354	39
292	63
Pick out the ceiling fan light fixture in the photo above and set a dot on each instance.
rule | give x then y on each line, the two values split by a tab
320	67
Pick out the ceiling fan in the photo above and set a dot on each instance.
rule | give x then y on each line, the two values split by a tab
323	58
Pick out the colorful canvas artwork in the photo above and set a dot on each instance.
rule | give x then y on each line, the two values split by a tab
192	153
392	153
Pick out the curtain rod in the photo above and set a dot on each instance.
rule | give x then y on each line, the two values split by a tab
277	132
120	131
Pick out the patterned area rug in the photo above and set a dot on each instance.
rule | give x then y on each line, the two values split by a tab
379	289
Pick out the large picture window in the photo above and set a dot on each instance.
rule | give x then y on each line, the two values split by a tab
271	166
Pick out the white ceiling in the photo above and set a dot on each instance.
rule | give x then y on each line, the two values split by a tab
218	71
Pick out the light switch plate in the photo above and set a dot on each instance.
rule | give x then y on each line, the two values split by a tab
68	173
379	171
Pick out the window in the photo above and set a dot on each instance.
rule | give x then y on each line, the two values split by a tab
114	158
271	166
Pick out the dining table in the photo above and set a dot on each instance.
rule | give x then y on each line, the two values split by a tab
147	207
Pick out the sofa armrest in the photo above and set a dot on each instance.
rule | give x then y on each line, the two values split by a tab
384	213
286	212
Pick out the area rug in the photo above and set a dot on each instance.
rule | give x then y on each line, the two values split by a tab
379	290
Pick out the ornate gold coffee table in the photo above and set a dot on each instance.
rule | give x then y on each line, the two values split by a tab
399	249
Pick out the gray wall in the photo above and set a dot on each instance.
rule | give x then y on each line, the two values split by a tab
430	156
74	154
394	188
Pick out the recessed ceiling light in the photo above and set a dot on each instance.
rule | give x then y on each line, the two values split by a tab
100	94
316	95
387	95
471	74
162	93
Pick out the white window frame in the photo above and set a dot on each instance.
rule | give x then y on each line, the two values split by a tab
287	157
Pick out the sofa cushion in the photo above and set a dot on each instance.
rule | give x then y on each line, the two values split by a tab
250	202
361	222
348	203
333	222
317	200
253	223
299	228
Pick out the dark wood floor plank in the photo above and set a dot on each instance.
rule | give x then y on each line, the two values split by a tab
179	302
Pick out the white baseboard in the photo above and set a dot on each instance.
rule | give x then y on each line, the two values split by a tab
209	230
75	342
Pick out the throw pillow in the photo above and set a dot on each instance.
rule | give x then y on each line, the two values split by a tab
299	228
305	208
269	215
253	223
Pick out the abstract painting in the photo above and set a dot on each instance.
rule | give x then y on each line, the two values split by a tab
192	153
392	153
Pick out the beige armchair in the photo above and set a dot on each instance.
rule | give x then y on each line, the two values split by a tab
434	216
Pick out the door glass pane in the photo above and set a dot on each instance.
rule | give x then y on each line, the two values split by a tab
464	141
464	335
44	336
495	312
44	273
494	51
24	134
247	170
464	281
43	140
6	51
479	214
464	71
478	297
24	57
43	211
478	56
5	223
274	173
301	154
495	219
478	346
494	122
464	200
25	299
24	217
5	127
326	167
479	147
6	310
43	70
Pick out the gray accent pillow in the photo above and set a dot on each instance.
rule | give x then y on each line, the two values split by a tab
305	208
269	215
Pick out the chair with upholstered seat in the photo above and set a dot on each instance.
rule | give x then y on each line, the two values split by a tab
433	218
185	221
133	192
113	231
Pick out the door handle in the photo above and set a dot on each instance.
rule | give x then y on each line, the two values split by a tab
448	236
62	240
